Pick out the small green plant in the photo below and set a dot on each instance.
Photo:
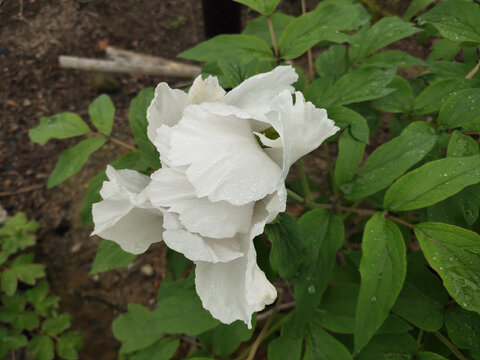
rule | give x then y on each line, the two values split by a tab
28	315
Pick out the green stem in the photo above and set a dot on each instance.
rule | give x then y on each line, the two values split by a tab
366	212
272	35
270	331
472	73
114	140
263	332
304	181
452	347
330	170
420	338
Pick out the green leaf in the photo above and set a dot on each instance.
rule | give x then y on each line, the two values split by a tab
102	112
359	85
426	355
423	298
42	347
59	126
391	160
110	256
137	329
72	160
344	117
239	46
47	306
9	282
461	110
399	101
225	339
68	345
184	313
288	346
161	350
259	27
350	155
28	273
444	49
337	309
382	268
448	69
320	345
177	262
432	182
11	306
456	20
386	346
453	252
322	234
324	23
264	7
132	160
138	123
391	58
27	320
235	72
415	7
287	252
332	62
463	328
38	293
384	32
461	145
431	99
56	325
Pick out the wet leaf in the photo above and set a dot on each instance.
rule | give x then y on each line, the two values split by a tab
453	252
461	110
432	182
382	268
456	20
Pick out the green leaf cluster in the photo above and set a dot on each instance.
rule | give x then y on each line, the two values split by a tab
28	315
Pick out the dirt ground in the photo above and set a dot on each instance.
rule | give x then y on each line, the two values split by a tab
32	85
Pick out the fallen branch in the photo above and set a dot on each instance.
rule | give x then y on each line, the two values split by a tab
22	190
124	61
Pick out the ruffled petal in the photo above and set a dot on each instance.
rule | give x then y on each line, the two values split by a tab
225	161
134	230
196	247
171	189
256	93
234	290
166	108
206	90
125	215
302	127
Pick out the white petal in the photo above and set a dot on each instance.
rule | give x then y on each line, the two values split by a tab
302	127
234	290
196	247
225	161
127	180
257	92
206	90
134	231
166	108
221	219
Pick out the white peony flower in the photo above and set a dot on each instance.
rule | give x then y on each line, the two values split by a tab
218	186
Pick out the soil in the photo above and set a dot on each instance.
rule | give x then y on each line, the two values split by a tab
33	85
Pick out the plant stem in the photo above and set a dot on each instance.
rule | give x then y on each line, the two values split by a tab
304	181
330	169
264	330
366	212
452	347
420	338
115	141
311	67
272	35
472	73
